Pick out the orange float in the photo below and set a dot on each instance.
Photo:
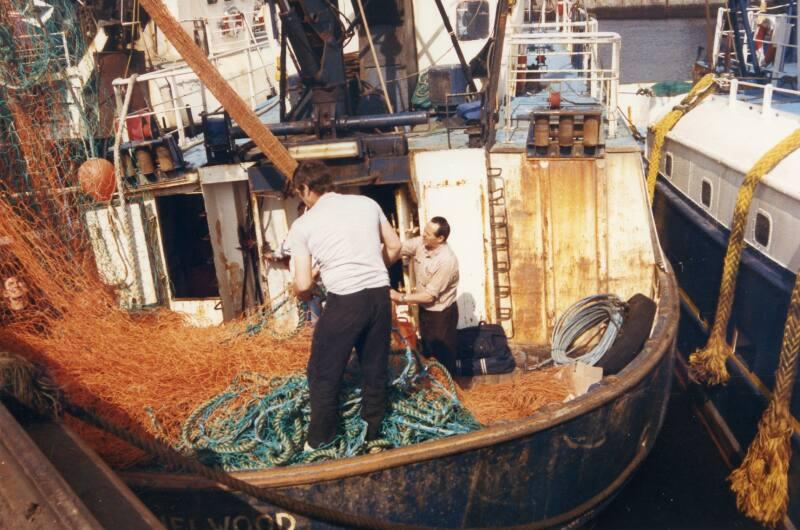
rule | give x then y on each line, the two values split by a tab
96	177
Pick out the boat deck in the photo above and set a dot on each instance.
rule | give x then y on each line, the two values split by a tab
788	103
515	139
195	156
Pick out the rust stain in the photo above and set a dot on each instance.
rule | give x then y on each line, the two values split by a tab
553	220
231	288
218	231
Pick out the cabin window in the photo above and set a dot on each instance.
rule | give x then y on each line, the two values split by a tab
705	193
668	165
472	20
187	246
763	228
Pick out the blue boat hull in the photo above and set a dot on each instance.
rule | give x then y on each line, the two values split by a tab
554	469
695	244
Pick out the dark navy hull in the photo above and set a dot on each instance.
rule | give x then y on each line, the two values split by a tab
695	244
557	467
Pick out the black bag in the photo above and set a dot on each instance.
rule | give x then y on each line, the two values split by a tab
486	365
483	340
483	350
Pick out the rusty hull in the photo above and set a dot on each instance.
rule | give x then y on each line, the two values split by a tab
555	467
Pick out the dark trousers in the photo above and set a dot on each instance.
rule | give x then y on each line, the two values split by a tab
439	335
363	321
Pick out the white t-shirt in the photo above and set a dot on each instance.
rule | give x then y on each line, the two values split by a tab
342	234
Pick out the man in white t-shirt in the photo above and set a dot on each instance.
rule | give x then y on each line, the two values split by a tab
353	243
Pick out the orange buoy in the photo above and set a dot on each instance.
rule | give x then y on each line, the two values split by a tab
554	99
96	177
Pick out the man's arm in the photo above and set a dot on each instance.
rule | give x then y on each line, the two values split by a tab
422	297
429	294
391	244
409	246
303	275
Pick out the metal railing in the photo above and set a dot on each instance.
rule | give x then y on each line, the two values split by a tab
177	97
737	96
559	13
234	31
572	60
777	33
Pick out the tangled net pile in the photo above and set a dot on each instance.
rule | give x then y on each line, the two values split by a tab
260	422
147	372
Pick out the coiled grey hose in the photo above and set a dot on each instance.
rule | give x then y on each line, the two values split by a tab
582	316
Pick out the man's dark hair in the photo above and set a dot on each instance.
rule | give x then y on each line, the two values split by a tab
313	174
443	229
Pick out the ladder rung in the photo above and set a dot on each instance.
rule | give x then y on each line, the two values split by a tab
503	291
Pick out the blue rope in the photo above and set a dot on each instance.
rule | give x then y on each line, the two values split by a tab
260	422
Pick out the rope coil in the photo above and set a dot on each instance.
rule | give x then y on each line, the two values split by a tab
260	422
587	314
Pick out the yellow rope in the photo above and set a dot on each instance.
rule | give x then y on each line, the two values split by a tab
761	483
698	92
708	364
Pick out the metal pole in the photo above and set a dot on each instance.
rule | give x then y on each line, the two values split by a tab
123	204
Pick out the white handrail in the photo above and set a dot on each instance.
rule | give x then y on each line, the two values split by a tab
599	83
187	94
766	95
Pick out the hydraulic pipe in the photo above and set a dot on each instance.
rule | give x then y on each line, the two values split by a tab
376	121
346	123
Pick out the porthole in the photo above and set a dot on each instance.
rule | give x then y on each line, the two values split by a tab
668	165
472	20
705	193
763	229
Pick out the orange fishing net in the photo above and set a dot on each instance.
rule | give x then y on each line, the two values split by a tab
509	396
148	372
117	364
145	372
516	396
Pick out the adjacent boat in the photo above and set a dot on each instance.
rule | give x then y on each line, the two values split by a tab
705	158
542	182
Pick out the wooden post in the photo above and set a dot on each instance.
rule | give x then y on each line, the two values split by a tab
230	100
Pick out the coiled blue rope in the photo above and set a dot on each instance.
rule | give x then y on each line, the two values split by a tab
260	422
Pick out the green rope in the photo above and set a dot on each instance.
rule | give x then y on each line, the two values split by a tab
421	99
258	422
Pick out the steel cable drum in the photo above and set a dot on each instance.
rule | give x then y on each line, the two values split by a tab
581	317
